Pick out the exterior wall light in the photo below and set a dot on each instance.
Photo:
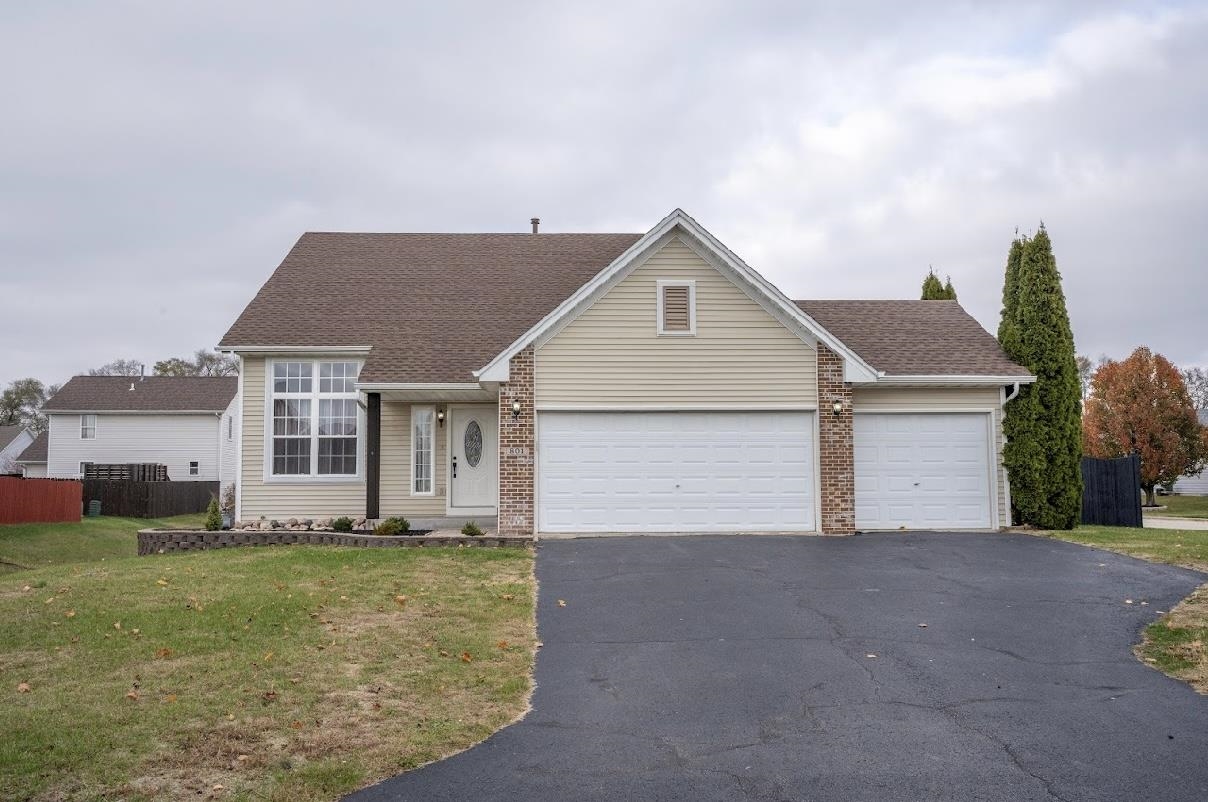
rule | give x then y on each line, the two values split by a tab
440	417
515	409
837	407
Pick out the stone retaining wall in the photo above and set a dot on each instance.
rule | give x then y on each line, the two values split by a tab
160	541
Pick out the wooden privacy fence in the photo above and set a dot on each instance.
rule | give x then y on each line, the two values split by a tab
38	500
1111	491
149	499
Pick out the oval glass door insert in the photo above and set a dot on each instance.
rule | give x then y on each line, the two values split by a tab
473	443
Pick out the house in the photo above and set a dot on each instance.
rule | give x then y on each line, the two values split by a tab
188	423
650	382
32	461
13	440
1195	485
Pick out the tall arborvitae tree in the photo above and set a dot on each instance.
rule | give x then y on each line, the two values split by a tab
932	289
1043	424
949	290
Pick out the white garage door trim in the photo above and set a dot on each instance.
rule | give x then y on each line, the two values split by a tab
988	517
737	450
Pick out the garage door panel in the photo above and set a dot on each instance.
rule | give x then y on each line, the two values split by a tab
676	471
922	470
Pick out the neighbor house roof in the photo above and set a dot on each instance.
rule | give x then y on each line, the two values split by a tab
915	338
36	451
150	394
434	307
9	433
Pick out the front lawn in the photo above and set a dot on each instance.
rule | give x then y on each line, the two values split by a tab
103	538
1175	642
280	673
1182	506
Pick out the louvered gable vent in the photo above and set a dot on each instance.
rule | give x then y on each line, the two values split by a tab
676	315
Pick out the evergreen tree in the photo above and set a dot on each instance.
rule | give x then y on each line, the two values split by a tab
1044	422
949	290
932	289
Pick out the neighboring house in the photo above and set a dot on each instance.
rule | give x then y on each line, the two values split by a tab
1195	485
13	440
32	460
187	423
607	383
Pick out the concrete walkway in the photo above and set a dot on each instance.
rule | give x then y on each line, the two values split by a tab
880	667
1170	522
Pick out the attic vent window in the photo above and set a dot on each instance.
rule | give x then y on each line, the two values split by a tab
677	307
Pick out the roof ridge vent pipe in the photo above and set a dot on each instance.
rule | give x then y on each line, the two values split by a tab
536	221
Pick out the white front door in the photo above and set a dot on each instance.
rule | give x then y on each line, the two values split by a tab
675	471
473	459
929	470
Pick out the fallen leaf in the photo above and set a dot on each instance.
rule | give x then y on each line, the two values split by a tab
230	716
163	653
561	602
170	698
443	653
23	687
502	644
268	656
297	725
507	597
400	600
294	680
69	614
217	787
161	582
132	695
117	624
466	657
270	696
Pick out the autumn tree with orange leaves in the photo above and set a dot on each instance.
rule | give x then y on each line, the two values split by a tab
1141	405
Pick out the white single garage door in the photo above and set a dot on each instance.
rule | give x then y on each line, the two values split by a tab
922	471
675	471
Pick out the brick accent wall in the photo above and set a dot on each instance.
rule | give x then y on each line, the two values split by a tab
517	512
835	446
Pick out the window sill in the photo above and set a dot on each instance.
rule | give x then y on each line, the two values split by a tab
314	480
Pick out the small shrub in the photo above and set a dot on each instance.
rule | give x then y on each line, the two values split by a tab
395	525
472	529
213	516
342	524
228	498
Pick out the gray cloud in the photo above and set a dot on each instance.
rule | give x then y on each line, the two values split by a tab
156	163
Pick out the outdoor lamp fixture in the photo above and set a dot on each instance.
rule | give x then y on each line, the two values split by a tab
837	407
440	417
515	409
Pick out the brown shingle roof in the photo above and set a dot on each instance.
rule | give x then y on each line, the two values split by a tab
9	433
434	307
152	394
914	338
37	450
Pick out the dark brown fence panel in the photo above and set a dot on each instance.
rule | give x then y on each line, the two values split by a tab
38	500
149	499
1111	491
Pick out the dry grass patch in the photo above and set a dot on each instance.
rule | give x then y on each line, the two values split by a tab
284	673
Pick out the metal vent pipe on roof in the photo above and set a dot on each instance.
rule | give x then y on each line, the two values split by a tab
536	221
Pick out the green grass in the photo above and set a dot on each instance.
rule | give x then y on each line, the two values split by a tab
92	539
282	673
1182	506
1174	643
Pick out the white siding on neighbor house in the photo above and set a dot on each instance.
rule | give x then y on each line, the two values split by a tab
1193	485
34	471
946	399
165	439
290	498
610	356
228	442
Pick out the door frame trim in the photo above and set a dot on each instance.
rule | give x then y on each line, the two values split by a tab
450	509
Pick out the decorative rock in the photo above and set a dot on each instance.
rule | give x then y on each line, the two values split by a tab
265	526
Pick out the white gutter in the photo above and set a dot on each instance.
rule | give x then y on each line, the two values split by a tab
292	349
956	380
372	386
1014	392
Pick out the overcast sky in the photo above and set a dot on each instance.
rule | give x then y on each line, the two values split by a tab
158	160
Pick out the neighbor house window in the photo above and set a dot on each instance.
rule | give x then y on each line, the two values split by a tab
194	469
423	450
230	427
314	421
88	427
676	307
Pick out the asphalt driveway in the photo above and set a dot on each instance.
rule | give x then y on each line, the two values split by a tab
774	668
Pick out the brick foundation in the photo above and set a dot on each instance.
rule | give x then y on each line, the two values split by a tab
835	447
517	513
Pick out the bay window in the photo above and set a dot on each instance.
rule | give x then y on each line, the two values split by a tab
314	418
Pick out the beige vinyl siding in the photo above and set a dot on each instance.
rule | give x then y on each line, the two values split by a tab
396	498
943	399
611	355
284	499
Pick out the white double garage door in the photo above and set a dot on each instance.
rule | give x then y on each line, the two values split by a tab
754	471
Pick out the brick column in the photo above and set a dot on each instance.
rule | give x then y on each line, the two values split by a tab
835	446
517	515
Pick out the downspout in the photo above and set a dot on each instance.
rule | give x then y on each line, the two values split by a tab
1006	479
1014	392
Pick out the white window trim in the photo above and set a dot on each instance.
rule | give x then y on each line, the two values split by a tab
267	427
83	417
415	410
691	285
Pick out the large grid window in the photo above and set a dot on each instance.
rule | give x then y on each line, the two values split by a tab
314	423
423	451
